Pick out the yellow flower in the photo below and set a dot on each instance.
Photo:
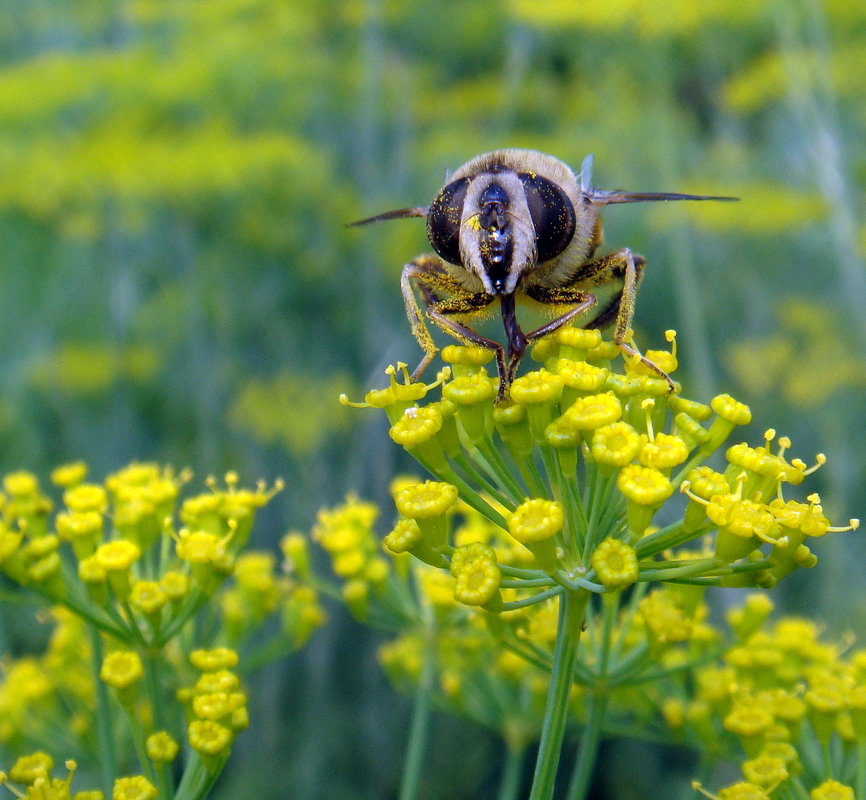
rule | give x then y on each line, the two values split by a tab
469	390
28	768
663	452
578	338
645	486
706	482
214	659
748	720
147	597
765	771
136	787
199	547
86	497
68	475
416	426
21	485
209	737
217	706
121	669
743	791
161	747
405	535
466	356
534	524
832	790
426	500
476	573
731	410
665	620
175	585
539	386
221	680
615	564
581	376
117	556
536	521
594	410
615	445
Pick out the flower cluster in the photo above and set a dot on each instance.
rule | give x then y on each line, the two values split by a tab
582	461
34	770
590	481
788	706
129	568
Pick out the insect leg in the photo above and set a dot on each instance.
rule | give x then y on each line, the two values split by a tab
445	297
461	305
580	300
626	266
432	281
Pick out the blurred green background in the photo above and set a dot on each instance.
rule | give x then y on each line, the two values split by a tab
177	284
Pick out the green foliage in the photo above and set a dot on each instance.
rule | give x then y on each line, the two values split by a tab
175	176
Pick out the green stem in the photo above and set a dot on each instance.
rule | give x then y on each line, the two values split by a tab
191	605
529	471
596	704
512	771
420	722
484	484
860	775
826	760
500	467
532	599
154	695
104	733
137	731
669	536
572	607
588	747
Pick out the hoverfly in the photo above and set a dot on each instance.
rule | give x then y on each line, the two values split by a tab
515	224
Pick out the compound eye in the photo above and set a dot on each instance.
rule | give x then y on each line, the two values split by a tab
443	220
552	215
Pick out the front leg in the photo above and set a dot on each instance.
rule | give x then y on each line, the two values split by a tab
580	301
444	297
627	267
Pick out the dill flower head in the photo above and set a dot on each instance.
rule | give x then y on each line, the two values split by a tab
576	474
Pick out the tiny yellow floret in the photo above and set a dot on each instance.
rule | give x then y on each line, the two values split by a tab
86	497
209	737
416	426
426	500
832	790
117	556
731	410
30	767
161	747
539	386
121	669
214	659
536	520
594	410
468	390
663	452
615	564
616	444
645	486
136	787
405	535
477	575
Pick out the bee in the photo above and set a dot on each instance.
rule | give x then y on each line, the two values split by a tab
513	225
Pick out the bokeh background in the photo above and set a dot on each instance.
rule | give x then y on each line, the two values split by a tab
177	284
